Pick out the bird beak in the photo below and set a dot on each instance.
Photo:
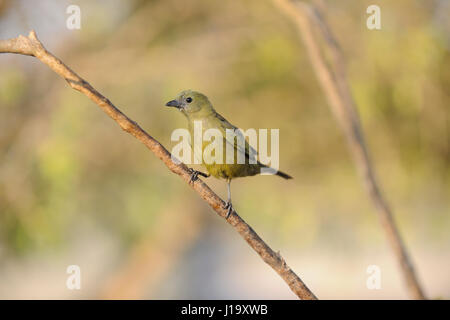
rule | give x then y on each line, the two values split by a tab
173	103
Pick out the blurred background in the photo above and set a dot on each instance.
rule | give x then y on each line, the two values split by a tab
76	190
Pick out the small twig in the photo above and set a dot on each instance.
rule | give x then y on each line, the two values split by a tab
31	46
333	80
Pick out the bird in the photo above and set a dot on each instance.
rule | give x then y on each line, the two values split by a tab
196	106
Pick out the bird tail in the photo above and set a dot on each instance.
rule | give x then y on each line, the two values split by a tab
283	175
274	171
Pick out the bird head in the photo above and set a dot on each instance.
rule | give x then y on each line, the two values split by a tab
192	104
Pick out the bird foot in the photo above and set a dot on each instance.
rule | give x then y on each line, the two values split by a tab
195	174
230	208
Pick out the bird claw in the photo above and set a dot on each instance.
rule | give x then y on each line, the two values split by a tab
195	174
230	208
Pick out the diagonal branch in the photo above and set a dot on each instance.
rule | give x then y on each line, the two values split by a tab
333	79
31	46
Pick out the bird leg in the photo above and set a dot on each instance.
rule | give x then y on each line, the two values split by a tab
195	174
228	204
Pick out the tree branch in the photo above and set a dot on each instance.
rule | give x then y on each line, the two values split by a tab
31	46
333	79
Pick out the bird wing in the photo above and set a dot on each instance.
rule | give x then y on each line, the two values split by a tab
244	149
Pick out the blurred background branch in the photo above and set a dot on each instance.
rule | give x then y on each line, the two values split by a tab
331	74
151	259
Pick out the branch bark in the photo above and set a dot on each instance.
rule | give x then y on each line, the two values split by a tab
31	46
332	77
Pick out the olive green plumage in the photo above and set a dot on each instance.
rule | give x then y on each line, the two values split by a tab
196	107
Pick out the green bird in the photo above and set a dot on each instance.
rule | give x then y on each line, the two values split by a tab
196	107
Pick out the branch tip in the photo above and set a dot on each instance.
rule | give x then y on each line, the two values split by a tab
32	35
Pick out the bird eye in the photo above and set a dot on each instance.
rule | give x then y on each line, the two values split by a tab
188	99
